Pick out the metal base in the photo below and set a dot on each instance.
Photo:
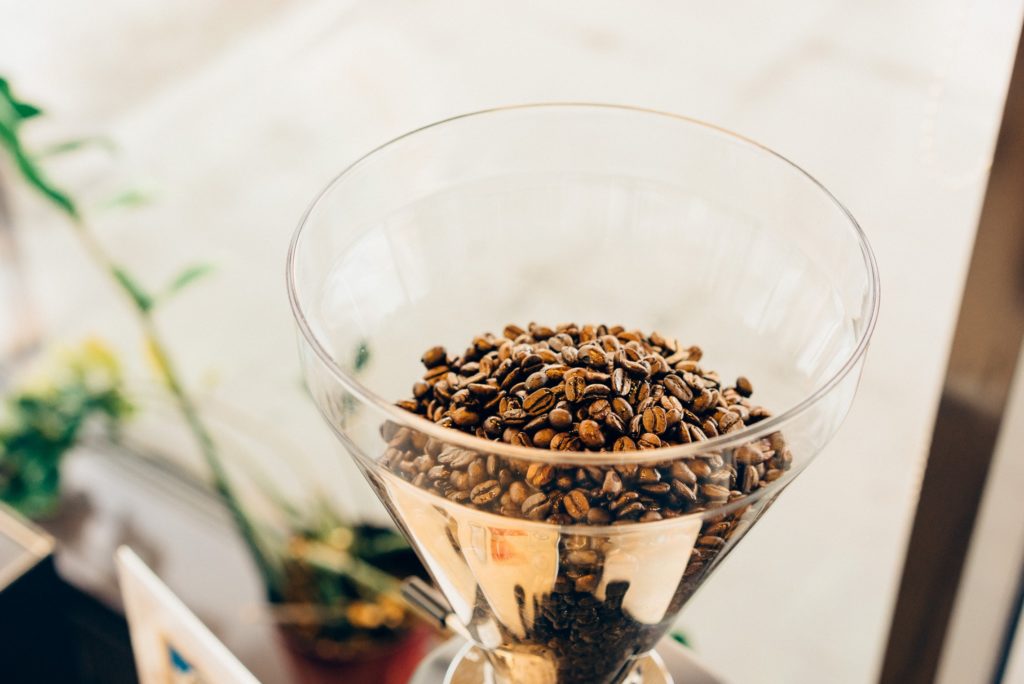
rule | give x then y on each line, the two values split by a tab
457	662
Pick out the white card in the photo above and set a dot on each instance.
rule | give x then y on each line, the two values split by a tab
171	645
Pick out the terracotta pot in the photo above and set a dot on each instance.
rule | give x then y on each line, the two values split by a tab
390	664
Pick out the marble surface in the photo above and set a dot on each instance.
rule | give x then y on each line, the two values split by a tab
232	115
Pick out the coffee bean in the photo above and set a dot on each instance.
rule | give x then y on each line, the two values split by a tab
630	509
622	408
574	387
583	557
522	438
599	409
586	583
649	441
485	492
714	492
542	438
647	474
435	356
476	472
539	402
513	331
711	542
749	455
657	488
536	506
614	423
560	418
517	493
530	363
684	491
624	443
678	389
576	504
464	417
655	420
539	474
750	479
590	434
536	380
621	384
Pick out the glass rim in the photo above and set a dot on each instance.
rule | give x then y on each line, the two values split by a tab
469	441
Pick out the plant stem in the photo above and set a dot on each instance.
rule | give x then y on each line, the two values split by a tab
186	407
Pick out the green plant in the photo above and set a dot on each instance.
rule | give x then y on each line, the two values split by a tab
334	581
13	115
44	417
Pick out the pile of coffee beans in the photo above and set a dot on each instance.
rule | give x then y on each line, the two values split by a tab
582	388
588	388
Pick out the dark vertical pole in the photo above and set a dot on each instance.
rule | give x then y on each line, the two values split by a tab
986	345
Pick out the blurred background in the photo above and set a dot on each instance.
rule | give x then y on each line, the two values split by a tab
190	136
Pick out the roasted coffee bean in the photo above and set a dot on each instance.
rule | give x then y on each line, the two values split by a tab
562	441
476	472
590	434
612	485
622	408
539	474
680	471
649	441
624	443
521	438
750	479
678	389
560	418
621	384
574	387
630	509
539	402
599	409
578	388
614	423
534	502
586	583
485	492
623	500
435	356
576	504
684	491
714	492
464	417
657	488
536	423
749	455
542	438
655	420
536	380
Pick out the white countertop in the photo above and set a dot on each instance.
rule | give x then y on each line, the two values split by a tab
234	114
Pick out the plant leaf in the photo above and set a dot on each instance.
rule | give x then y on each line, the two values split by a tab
22	110
138	295
187	277
133	197
77	144
31	172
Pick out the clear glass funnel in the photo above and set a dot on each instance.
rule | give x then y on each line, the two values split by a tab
593	214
